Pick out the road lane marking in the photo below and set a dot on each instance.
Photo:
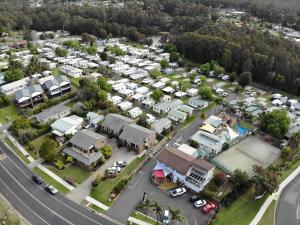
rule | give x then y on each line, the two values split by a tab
2	156
102	215
42	204
23	203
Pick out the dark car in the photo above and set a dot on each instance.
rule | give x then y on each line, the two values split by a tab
194	198
37	179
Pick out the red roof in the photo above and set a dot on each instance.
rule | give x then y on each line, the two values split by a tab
159	173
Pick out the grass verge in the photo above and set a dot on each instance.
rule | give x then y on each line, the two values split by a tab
16	150
103	191
268	217
189	120
98	209
50	180
241	212
144	218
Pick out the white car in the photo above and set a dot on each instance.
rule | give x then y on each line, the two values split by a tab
178	192
49	188
114	168
120	164
199	203
150	119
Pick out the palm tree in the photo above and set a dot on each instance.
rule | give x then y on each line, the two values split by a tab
144	206
176	215
157	210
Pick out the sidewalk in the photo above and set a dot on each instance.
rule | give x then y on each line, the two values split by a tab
274	196
136	221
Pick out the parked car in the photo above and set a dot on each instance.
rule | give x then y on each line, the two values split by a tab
194	198
178	192
120	164
49	188
199	203
114	169
209	207
37	179
166	217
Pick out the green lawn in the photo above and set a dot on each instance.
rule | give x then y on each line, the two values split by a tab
77	173
241	212
189	120
50	180
145	218
36	143
16	150
103	191
98	209
268	217
8	113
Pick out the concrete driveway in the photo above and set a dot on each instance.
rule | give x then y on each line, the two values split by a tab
79	193
141	183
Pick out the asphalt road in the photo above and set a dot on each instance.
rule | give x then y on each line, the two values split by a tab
288	203
36	205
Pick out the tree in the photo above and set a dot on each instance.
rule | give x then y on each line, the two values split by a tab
232	77
176	215
20	123
245	79
157	94
220	178
61	52
142	121
103	56
286	153
276	123
13	75
4	100
157	209
184	85
265	180
92	50
240	179
206	93
170	48
144	206
174	56
34	66
103	84
155	74
205	68
218	69
106	150
102	96
164	64
48	150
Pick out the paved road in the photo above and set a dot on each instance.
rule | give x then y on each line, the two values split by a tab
288	203
37	206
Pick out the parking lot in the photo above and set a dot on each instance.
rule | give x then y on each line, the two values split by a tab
141	183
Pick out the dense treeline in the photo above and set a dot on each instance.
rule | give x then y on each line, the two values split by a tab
193	27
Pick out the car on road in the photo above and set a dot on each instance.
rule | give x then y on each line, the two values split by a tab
194	198
199	203
120	164
49	188
166	217
37	179
178	192
209	207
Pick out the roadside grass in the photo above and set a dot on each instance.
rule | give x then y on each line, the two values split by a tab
16	150
286	172
71	103
8	113
142	217
268	217
75	172
98	209
188	120
241	211
103	191
50	180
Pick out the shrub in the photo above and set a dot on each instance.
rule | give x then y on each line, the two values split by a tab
97	181
120	186
59	164
70	159
106	151
194	144
219	178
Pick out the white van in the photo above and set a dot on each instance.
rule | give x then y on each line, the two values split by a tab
166	217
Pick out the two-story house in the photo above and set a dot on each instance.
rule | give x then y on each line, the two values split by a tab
28	96
57	86
178	167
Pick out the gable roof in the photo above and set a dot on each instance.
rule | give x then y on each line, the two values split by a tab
182	162
28	91
85	139
48	113
115	122
135	134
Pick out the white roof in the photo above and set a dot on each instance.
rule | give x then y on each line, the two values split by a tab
15	84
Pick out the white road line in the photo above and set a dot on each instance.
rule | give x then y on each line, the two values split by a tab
23	203
103	216
67	221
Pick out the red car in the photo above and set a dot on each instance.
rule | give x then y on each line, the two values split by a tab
209	207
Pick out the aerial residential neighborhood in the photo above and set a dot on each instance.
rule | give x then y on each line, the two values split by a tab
149	112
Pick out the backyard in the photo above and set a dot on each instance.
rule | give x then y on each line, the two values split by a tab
102	193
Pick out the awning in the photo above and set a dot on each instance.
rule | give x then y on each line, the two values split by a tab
58	133
208	128
159	173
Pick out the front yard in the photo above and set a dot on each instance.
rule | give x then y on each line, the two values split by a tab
241	212
75	172
102	193
8	113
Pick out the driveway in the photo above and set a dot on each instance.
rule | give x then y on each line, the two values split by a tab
141	183
79	193
288	204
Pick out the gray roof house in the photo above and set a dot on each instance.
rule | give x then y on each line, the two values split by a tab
53	113
137	137
293	129
161	125
57	86
187	109
114	123
177	115
94	119
84	147
164	107
29	95
208	142
197	103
